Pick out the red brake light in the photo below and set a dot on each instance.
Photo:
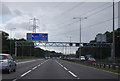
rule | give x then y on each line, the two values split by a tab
5	57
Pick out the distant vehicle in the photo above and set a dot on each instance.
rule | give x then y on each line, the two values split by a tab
82	58
88	55
7	63
91	59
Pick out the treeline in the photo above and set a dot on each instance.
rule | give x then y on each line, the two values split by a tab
103	52
8	46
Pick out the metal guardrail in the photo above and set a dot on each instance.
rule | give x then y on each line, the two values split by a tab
99	64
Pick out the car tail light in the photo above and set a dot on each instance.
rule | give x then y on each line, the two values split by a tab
5	57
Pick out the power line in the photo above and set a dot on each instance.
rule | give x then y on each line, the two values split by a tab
100	11
94	13
90	11
71	9
90	26
94	9
59	4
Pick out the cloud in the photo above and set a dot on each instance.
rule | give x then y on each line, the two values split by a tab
17	12
19	22
4	10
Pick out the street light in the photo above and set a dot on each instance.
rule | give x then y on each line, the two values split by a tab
80	19
70	45
11	32
11	38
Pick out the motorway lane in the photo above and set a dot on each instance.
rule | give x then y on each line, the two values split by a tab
85	72
22	67
49	70
57	69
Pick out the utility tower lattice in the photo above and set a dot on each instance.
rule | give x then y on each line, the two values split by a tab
34	24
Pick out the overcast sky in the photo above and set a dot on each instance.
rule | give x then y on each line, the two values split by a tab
56	18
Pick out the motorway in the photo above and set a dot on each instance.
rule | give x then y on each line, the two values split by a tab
56	69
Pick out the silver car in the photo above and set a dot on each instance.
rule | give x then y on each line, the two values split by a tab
7	63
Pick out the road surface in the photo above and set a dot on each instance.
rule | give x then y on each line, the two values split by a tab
56	69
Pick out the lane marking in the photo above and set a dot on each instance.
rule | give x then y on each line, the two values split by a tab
68	70
95	68
78	78
26	62
34	68
14	79
30	70
72	73
38	65
65	68
25	73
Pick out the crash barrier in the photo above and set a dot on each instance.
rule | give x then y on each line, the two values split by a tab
115	66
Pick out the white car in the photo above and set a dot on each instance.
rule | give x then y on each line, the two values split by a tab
7	63
82	58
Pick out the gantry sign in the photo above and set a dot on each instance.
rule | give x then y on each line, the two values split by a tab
60	44
41	39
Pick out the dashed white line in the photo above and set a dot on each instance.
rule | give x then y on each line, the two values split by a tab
25	73
34	68
100	70
38	65
68	70
65	68
14	79
30	70
72	73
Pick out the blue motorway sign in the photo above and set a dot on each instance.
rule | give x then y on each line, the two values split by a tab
37	36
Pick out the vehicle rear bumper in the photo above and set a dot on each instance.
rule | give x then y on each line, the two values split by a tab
4	67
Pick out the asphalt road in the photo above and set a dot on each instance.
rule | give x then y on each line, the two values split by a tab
56	69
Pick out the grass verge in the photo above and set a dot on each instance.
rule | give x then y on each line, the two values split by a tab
97	67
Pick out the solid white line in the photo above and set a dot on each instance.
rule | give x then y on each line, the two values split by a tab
72	73
26	73
25	62
65	68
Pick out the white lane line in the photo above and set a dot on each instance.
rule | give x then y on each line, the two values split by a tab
14	79
61	65
78	78
65	68
34	67
25	73
38	65
25	62
68	70
100	69
72	73
31	69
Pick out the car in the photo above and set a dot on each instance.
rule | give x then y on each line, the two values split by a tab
91	59
82	58
7	63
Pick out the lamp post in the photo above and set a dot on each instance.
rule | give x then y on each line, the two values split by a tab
11	39
80	19
70	46
113	39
